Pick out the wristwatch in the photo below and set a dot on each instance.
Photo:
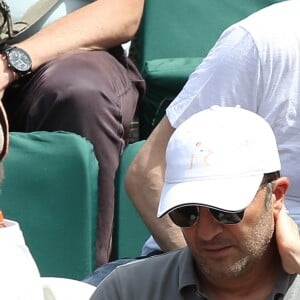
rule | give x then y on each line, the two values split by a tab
18	60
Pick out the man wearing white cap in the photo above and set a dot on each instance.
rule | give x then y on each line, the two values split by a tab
255	64
223	188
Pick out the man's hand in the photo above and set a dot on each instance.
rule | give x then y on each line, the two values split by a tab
288	242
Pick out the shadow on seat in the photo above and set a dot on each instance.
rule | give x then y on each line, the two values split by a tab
130	230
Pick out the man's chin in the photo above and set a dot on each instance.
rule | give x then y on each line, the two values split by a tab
228	271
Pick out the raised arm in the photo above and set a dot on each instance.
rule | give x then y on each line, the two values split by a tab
100	25
144	182
288	242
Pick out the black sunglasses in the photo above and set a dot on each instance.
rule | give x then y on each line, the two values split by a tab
187	216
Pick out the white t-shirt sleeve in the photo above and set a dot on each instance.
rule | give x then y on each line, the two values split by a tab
19	275
229	75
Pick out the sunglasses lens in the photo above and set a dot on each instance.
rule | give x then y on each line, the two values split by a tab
226	217
185	216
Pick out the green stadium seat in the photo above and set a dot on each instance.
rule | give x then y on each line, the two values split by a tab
130	230
50	188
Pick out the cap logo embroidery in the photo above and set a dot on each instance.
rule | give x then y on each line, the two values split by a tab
200	155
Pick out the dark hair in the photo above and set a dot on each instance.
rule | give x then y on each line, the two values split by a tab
269	177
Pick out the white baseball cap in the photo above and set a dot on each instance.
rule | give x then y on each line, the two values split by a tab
217	158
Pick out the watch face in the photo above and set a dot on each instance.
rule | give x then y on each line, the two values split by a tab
19	60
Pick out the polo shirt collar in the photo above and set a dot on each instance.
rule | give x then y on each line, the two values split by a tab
188	280
284	282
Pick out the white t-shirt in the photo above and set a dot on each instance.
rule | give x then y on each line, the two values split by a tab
20	278
255	64
19	275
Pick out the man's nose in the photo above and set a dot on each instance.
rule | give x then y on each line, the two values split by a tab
207	226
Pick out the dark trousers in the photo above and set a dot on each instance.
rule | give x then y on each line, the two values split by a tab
93	94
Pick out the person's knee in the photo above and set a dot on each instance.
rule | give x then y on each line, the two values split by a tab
73	94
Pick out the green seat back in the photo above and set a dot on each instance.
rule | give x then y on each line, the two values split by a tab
130	230
173	39
50	188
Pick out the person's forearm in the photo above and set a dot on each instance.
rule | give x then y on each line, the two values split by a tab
99	25
144	182
288	242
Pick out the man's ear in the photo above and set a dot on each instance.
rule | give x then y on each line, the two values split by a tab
279	189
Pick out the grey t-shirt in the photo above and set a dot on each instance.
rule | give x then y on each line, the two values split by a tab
169	276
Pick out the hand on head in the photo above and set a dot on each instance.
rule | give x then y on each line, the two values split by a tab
288	241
